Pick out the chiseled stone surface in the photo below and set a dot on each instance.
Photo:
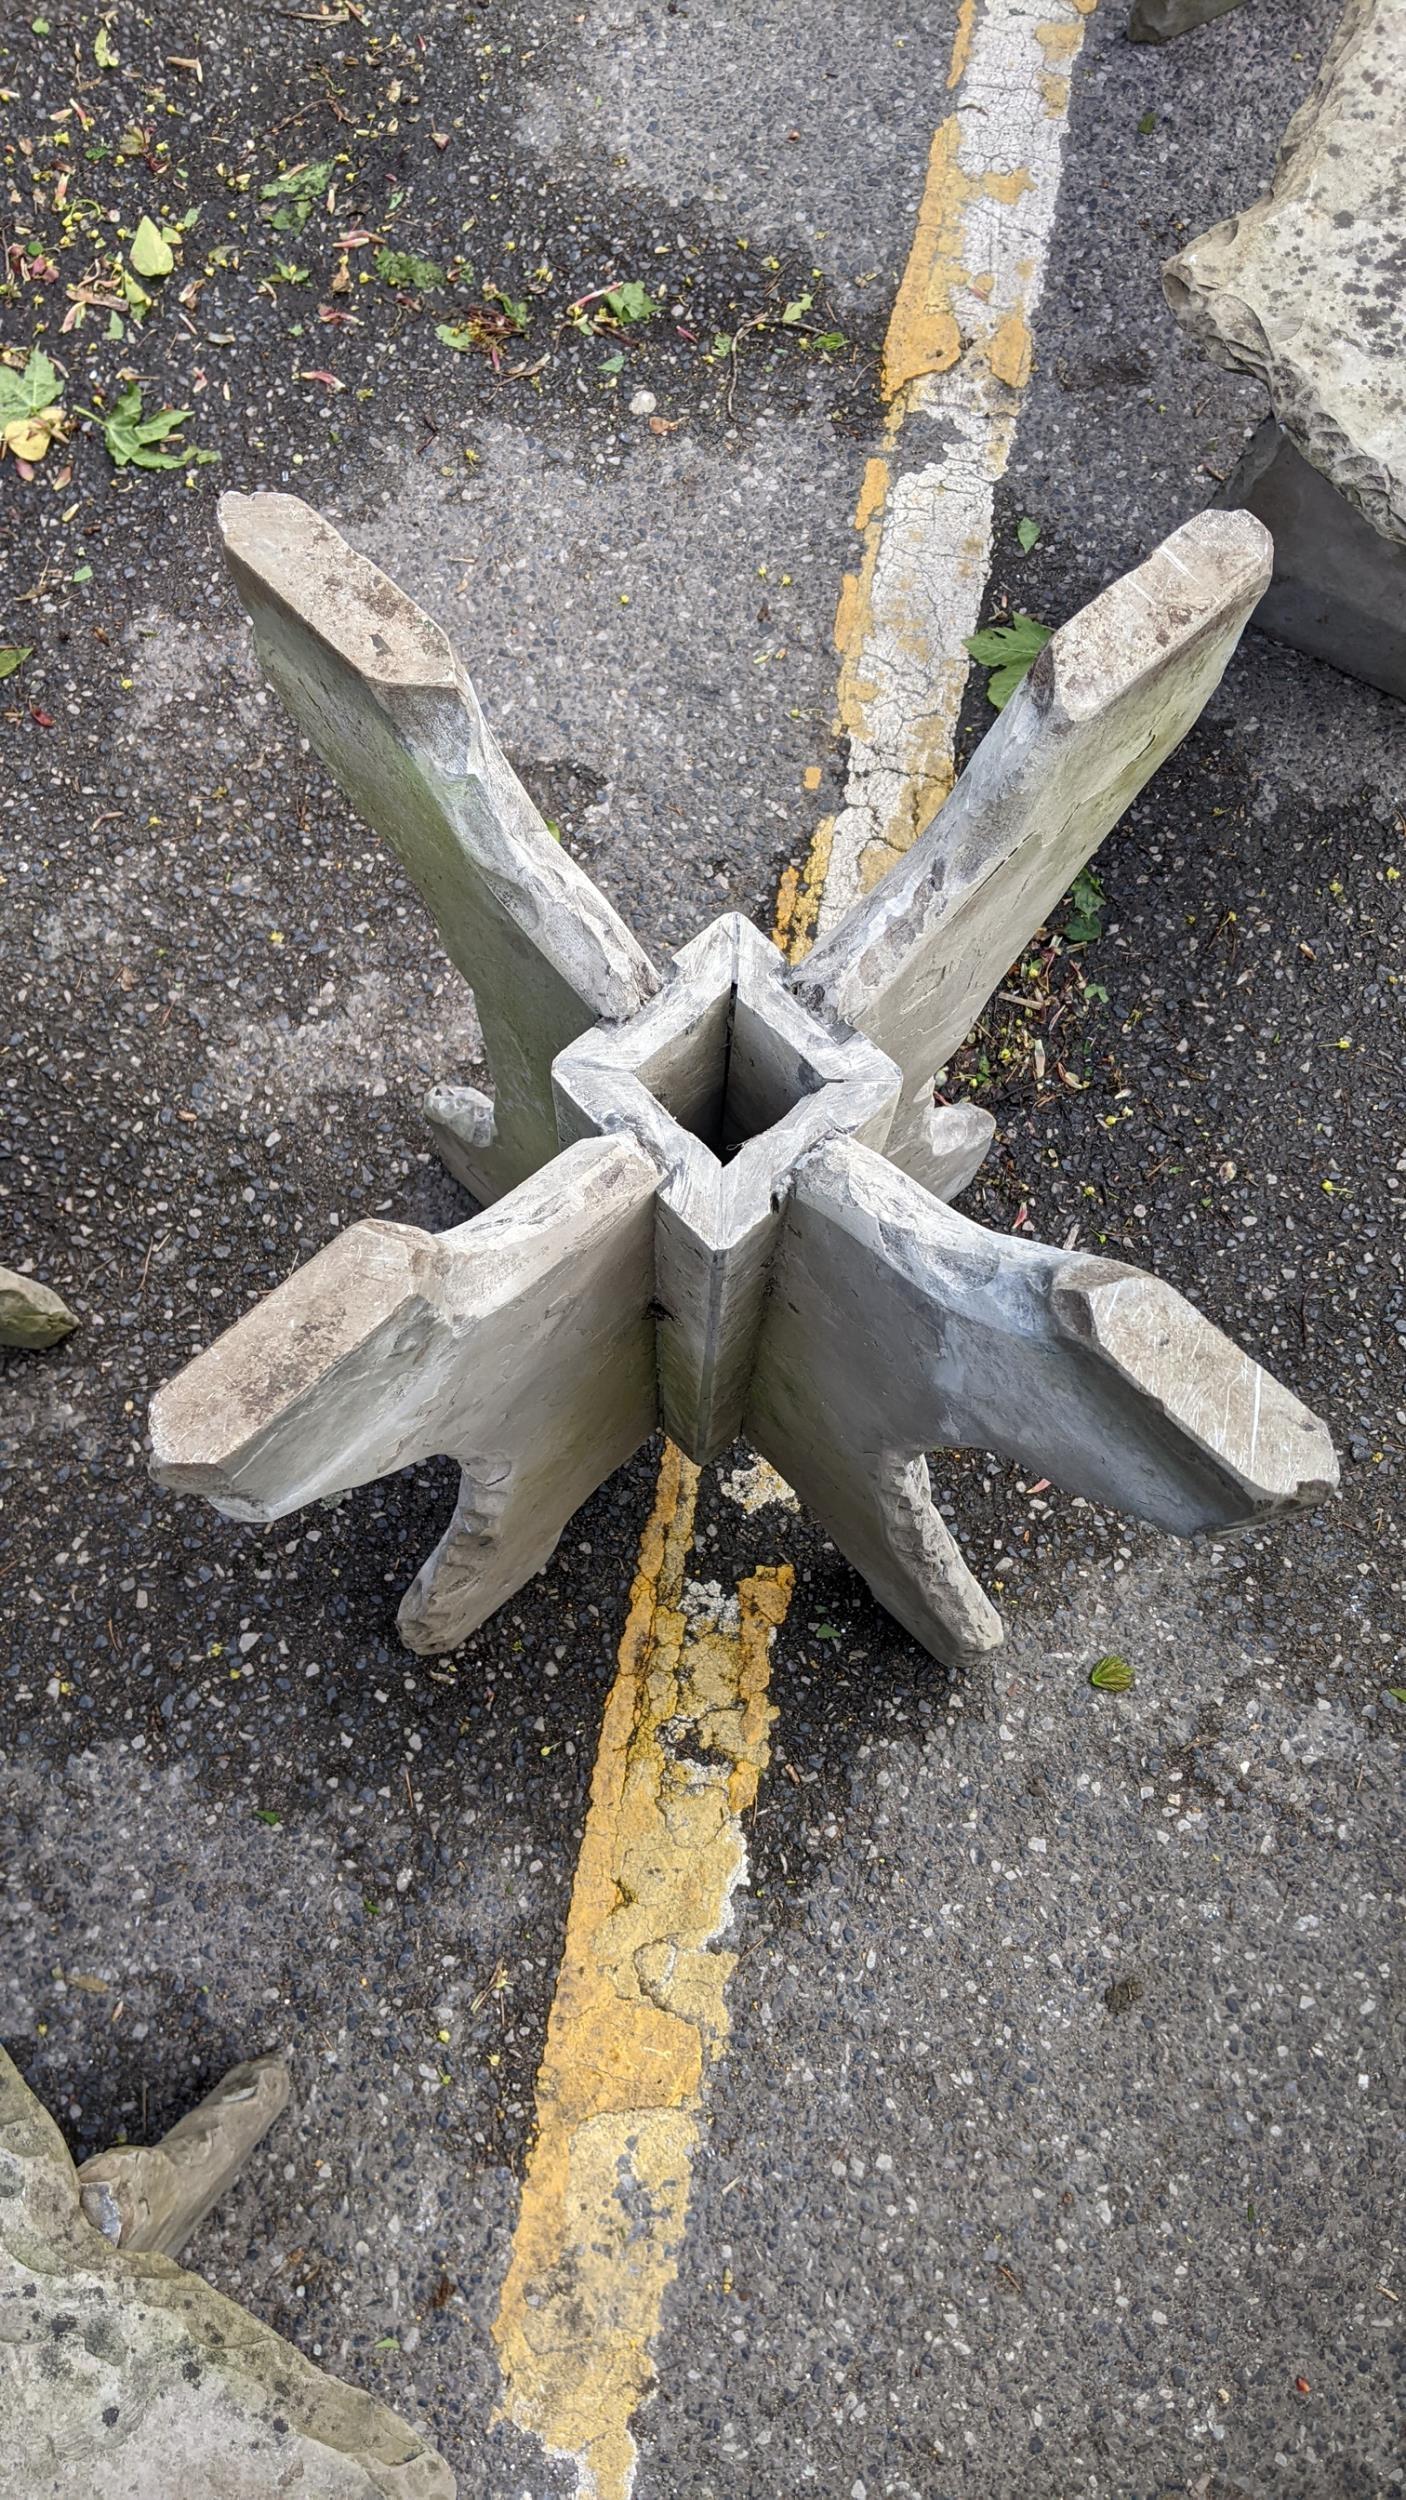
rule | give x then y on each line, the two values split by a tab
376	687
32	1314
124	2378
1306	288
896	1326
1108	698
519	1343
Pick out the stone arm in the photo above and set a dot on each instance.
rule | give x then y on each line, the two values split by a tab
895	1326
521	1344
1107	700
377	689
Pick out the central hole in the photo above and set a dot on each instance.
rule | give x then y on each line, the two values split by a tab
730	1077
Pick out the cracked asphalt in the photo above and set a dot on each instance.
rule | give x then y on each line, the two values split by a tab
1058	2145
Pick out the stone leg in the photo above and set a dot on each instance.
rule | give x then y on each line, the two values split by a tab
876	1505
157	2195
895	1327
521	1344
506	1526
1339	590
1158	21
376	687
1107	700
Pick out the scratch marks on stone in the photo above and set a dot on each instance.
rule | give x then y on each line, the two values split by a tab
640	2012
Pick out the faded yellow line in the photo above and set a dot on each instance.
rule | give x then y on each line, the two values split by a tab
924	334
640	2013
940	325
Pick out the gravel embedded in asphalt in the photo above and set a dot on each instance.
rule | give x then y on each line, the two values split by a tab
1042	2156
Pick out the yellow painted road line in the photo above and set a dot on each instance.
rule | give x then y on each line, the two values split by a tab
957	351
640	2013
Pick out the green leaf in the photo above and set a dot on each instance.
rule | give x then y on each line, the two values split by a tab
116	327
1147	123
455	335
793	312
1112	1675
151	255
1395	1692
30	416
722	343
81	573
406	269
612	363
518	311
130	438
104	49
630	302
1088	897
24	394
386	2343
1028	533
1008	650
830	341
300	182
13	655
265	1814
296	194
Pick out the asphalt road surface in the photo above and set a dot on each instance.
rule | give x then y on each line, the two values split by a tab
1058	2145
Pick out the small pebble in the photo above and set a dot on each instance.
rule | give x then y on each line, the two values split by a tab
643	404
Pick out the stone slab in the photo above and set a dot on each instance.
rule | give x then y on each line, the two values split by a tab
895	1327
1339	590
1110	696
520	1343
1306	288
124	2378
32	1315
377	689
157	2195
